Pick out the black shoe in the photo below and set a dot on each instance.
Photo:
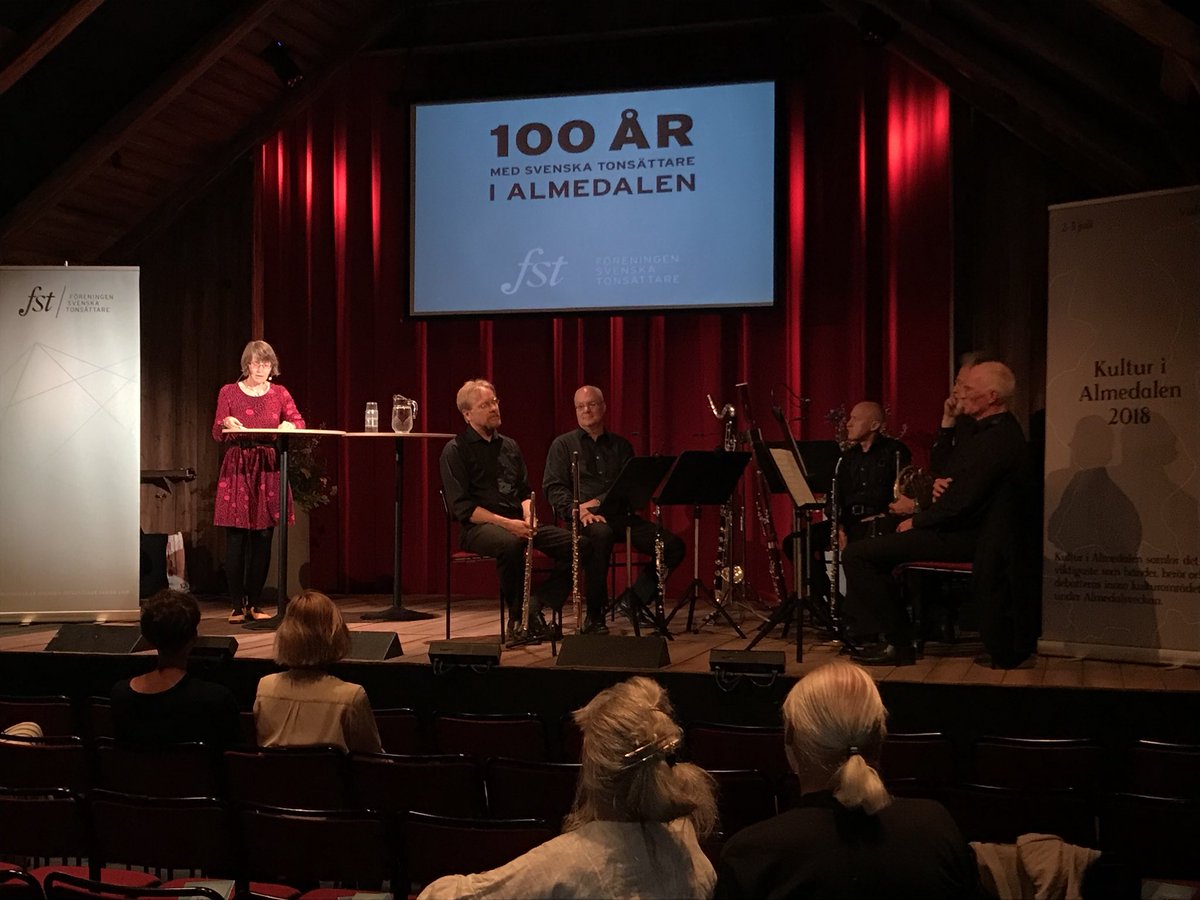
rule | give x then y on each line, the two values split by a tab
518	636
594	626
885	655
988	662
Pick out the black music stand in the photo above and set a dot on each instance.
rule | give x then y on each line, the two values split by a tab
639	478
702	478
815	465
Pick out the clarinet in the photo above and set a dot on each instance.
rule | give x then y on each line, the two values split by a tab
762	506
576	599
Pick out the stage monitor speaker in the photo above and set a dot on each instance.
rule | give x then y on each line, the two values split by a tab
374	645
464	653
747	662
214	648
603	651
93	638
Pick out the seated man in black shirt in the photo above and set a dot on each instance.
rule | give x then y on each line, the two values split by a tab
602	455
867	475
487	490
167	705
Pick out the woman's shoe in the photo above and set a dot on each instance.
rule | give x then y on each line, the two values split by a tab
237	617
256	614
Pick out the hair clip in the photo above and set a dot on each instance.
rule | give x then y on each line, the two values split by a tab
659	748
854	751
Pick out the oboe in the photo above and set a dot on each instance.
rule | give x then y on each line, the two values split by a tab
576	528
660	565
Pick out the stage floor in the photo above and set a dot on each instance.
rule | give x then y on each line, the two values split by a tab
948	664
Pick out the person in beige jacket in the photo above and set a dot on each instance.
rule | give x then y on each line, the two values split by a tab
306	705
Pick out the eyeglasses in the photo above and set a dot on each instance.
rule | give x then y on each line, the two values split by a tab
259	363
591	404
488	404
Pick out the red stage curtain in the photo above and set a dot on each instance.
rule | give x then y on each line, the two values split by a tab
332	282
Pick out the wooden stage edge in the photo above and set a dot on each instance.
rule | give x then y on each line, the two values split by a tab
477	618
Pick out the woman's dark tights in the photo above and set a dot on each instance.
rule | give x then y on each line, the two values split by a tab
247	558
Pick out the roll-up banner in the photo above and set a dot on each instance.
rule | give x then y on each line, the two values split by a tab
70	418
1121	574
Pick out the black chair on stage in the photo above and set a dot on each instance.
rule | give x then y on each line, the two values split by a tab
459	557
440	784
515	736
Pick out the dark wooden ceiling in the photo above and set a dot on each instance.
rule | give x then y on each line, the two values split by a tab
117	113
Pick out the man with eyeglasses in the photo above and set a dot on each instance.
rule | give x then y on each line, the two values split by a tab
487	490
602	455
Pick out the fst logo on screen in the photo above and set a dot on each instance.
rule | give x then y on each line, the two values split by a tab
38	302
545	273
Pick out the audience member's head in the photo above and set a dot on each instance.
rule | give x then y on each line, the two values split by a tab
629	772
834	728
169	620
313	634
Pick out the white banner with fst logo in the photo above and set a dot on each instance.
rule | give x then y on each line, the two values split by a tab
1122	528
70	416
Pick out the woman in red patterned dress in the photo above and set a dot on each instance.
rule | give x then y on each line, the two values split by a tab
248	487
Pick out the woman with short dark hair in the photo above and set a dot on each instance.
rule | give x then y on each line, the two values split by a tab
167	705
305	704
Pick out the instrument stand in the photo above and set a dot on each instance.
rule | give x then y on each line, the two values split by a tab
703	478
792	609
632	490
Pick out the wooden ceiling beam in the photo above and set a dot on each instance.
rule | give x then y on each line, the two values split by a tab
23	54
1158	23
1014	96
255	134
97	149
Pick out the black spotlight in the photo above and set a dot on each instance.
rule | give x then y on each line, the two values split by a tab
279	58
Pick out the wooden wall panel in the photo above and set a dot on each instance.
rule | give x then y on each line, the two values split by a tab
195	292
